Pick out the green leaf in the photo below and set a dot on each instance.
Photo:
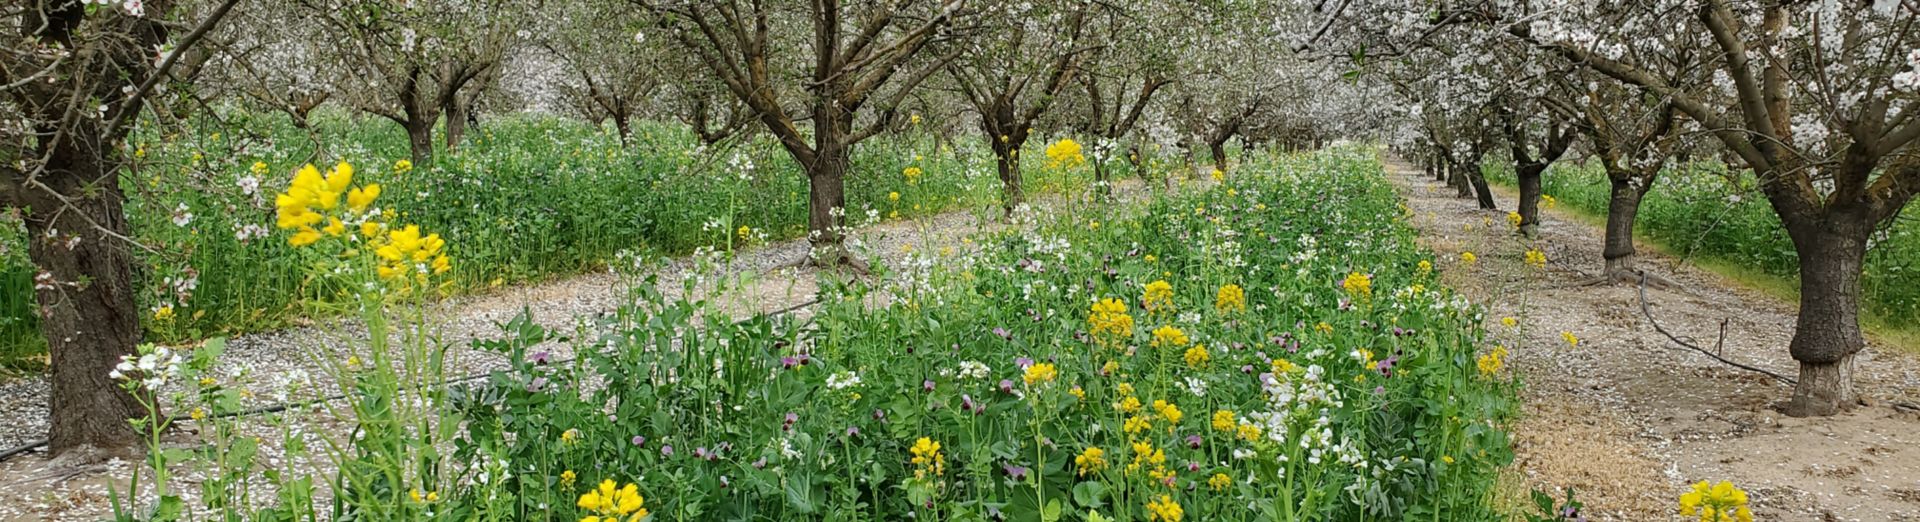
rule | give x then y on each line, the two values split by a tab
1050	512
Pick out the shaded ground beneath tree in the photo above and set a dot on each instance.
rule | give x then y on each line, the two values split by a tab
1629	418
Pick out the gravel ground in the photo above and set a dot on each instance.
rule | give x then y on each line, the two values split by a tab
767	279
1629	419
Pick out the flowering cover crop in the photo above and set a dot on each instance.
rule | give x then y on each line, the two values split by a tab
1270	348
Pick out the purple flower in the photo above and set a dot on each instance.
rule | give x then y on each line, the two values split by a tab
1023	362
539	383
789	362
542	357
701	453
1006	385
1003	333
879	414
1193	441
666	450
966	402
927	385
724	482
1015	472
852	431
760	464
639	440
1193	466
791	418
1246	369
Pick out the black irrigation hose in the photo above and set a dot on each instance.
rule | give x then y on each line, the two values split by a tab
276	408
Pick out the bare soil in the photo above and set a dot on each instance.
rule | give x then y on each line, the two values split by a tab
1629	418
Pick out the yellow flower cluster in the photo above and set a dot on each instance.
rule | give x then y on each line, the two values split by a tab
608	504
1230	298
1197	356
1716	503
1536	258
1090	460
927	458
1040	373
402	166
1064	154
1169	336
1158	296
912	174
1358	284
1468	258
1513	219
1164	509
1571	340
1110	319
1491	362
1425	267
1219	481
406	253
1223	420
1168	411
312	203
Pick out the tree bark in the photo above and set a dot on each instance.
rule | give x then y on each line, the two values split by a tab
623	123
85	291
1529	181
1008	153
1485	193
456	112
420	141
1623	207
1219	151
826	206
1832	250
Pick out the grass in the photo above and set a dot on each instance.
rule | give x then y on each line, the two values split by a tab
1696	214
531	198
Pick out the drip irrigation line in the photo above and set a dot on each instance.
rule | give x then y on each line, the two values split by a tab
276	408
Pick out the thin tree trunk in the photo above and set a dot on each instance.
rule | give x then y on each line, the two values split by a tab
456	122
1478	179
1623	207
826	206
1219	151
622	123
1826	334
1529	181
1457	177
85	291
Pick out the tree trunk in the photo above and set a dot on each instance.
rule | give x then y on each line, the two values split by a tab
1012	195
826	206
1623	206
1457	177
1478	179
85	291
1529	180
456	121
1826	335
622	123
420	141
1219	151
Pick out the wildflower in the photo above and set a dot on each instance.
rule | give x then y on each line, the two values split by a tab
402	166
1548	201
893	196
1323	327
1219	481
1446	458
163	313
1514	219
912	174
572	435
1167	411
198	414
406	248
1169	336
927	458
1490	363
1090	460
1136	424
1571	340
1358	284
843	380
1158	296
360	198
1064	154
1230	298
1040	373
1218	175
1164	509
1197	356
1128	404
1223	420
1425	267
566	477
608	504
1509	321
1109	318
1721	502
1078	393
1536	258
1468	258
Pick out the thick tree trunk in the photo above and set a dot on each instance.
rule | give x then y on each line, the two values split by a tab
826	206
1219	151
456	122
85	291
1832	251
1623	206
1529	181
420	141
1012	195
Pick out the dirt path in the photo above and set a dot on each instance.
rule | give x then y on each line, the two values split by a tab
763	277
1629	419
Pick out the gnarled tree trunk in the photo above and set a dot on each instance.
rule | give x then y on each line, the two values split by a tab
1826	333
1623	207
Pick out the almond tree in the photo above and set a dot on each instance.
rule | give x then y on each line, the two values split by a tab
841	69
73	81
1012	75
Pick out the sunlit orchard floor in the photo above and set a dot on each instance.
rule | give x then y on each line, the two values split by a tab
1628	418
33	487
